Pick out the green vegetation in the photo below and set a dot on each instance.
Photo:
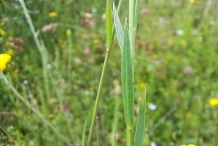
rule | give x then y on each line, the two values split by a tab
48	89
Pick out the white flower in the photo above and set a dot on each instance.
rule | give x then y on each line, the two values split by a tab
87	92
153	143
180	32
25	82
200	39
48	66
212	22
152	106
194	32
103	16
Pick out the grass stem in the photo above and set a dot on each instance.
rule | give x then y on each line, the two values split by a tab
110	36
39	45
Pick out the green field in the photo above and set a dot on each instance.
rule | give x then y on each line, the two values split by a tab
54	74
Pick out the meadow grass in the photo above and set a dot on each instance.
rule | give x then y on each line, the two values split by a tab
55	72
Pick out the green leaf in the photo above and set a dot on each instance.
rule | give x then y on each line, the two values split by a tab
84	135
140	127
127	79
136	13
118	27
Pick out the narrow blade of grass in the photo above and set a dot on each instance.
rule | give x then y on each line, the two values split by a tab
140	127
127	78
118	27
127	85
136	14
84	135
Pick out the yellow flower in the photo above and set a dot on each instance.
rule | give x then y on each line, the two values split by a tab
213	101
169	41
183	42
191	1
188	144
4	59
142	85
191	144
52	14
2	32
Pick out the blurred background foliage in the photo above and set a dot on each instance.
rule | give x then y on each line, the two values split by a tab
176	58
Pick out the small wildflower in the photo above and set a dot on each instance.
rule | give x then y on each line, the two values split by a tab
4	59
142	85
103	16
194	32
25	82
153	143
152	106
87	92
191	144
52	14
95	41
213	101
183	42
87	51
200	39
187	70
180	32
49	66
212	22
191	1
169	41
188	144
2	32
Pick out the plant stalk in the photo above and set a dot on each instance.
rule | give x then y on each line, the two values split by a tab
40	46
108	47
110	36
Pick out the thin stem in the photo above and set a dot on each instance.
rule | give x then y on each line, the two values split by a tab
30	23
39	45
98	97
110	36
164	118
